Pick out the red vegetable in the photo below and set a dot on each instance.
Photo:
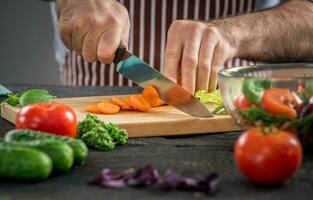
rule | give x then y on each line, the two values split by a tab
242	102
48	117
268	158
279	102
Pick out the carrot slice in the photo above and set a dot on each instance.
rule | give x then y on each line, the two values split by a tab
140	103
108	108
160	103
107	101
127	101
121	103
92	109
151	95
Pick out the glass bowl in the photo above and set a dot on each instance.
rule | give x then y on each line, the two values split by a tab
252	81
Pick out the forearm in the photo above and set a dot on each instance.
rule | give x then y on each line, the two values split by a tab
281	34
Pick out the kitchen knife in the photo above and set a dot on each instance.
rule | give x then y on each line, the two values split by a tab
141	73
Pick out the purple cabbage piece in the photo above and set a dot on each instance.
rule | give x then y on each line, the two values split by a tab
148	175
107	179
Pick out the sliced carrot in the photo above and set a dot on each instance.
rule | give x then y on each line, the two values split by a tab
121	103
92	109
140	103
160	103
127	101
108	108
107	101
151	95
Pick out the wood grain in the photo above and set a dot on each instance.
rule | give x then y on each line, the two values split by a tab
161	121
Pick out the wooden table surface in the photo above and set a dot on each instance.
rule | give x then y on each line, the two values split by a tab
189	155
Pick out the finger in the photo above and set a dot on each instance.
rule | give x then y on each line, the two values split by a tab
190	62
80	29
172	55
90	43
108	43
218	60
65	29
125	37
207	47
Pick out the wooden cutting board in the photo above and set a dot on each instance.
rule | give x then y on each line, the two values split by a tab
161	121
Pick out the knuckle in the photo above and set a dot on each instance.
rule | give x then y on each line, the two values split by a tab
177	25
212	31
191	61
77	22
95	20
64	26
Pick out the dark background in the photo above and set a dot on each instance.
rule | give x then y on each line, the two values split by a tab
26	43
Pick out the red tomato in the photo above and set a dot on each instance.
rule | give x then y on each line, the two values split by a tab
279	102
242	103
48	117
268	158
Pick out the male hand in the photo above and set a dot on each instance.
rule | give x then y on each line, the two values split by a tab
93	28
195	51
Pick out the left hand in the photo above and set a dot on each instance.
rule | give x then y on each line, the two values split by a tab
194	53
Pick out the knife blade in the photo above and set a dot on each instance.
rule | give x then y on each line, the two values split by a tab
142	74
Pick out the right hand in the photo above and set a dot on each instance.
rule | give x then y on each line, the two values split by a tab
93	28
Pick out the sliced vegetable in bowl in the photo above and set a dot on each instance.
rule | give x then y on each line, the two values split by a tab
270	96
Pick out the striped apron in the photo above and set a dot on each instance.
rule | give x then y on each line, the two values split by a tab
150	20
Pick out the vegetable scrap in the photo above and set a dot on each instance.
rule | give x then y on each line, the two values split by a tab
150	176
213	100
99	135
149	98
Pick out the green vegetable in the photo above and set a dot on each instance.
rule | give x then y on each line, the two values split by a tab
23	163
308	91
100	135
258	115
79	147
27	97
213	100
60	153
35	96
99	138
253	88
13	100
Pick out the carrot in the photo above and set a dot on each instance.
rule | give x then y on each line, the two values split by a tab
108	108
107	101
152	96
140	103
160	103
127	101
92	109
121	103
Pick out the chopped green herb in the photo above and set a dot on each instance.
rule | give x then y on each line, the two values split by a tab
98	138
12	100
258	115
213	100
100	135
253	88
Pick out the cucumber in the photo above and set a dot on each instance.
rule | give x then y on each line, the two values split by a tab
79	147
23	163
60	153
